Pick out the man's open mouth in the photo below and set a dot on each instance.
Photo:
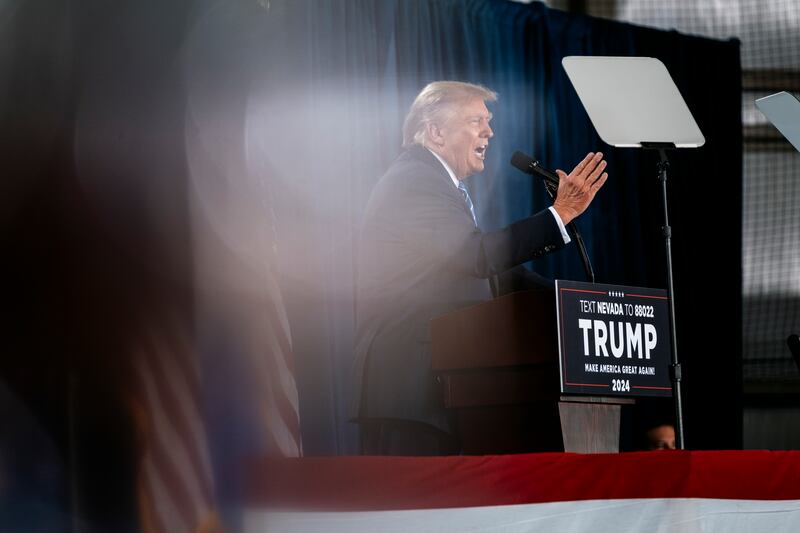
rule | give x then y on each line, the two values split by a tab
480	152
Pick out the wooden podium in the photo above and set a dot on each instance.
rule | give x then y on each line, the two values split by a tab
497	363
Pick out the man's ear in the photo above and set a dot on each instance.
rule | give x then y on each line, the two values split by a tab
434	134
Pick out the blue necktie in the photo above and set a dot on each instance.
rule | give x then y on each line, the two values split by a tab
467	199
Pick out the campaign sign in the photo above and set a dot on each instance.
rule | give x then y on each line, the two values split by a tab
613	340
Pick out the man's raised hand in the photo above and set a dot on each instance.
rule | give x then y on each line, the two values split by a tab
577	189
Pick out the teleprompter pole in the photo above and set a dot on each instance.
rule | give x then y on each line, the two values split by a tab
675	367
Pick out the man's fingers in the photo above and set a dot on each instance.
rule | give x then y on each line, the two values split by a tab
596	172
600	181
592	165
588	166
580	166
588	175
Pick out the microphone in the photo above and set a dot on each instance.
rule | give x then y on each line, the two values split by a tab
529	165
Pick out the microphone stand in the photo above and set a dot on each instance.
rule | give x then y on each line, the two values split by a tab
587	265
552	190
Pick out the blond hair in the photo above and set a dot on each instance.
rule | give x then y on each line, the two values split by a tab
436	103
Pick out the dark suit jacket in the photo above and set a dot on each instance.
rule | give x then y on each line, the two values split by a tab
421	256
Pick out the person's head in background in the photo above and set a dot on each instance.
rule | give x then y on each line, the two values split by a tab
661	437
654	424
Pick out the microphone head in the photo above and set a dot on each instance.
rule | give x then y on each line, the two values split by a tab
522	162
529	165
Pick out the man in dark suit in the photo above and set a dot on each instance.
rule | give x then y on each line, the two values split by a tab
422	255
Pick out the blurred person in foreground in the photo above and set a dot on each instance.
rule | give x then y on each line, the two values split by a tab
422	254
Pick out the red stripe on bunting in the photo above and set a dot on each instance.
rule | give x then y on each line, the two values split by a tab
381	483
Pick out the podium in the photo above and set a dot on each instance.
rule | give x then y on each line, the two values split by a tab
497	363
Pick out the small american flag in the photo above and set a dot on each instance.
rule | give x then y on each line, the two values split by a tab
174	481
281	411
